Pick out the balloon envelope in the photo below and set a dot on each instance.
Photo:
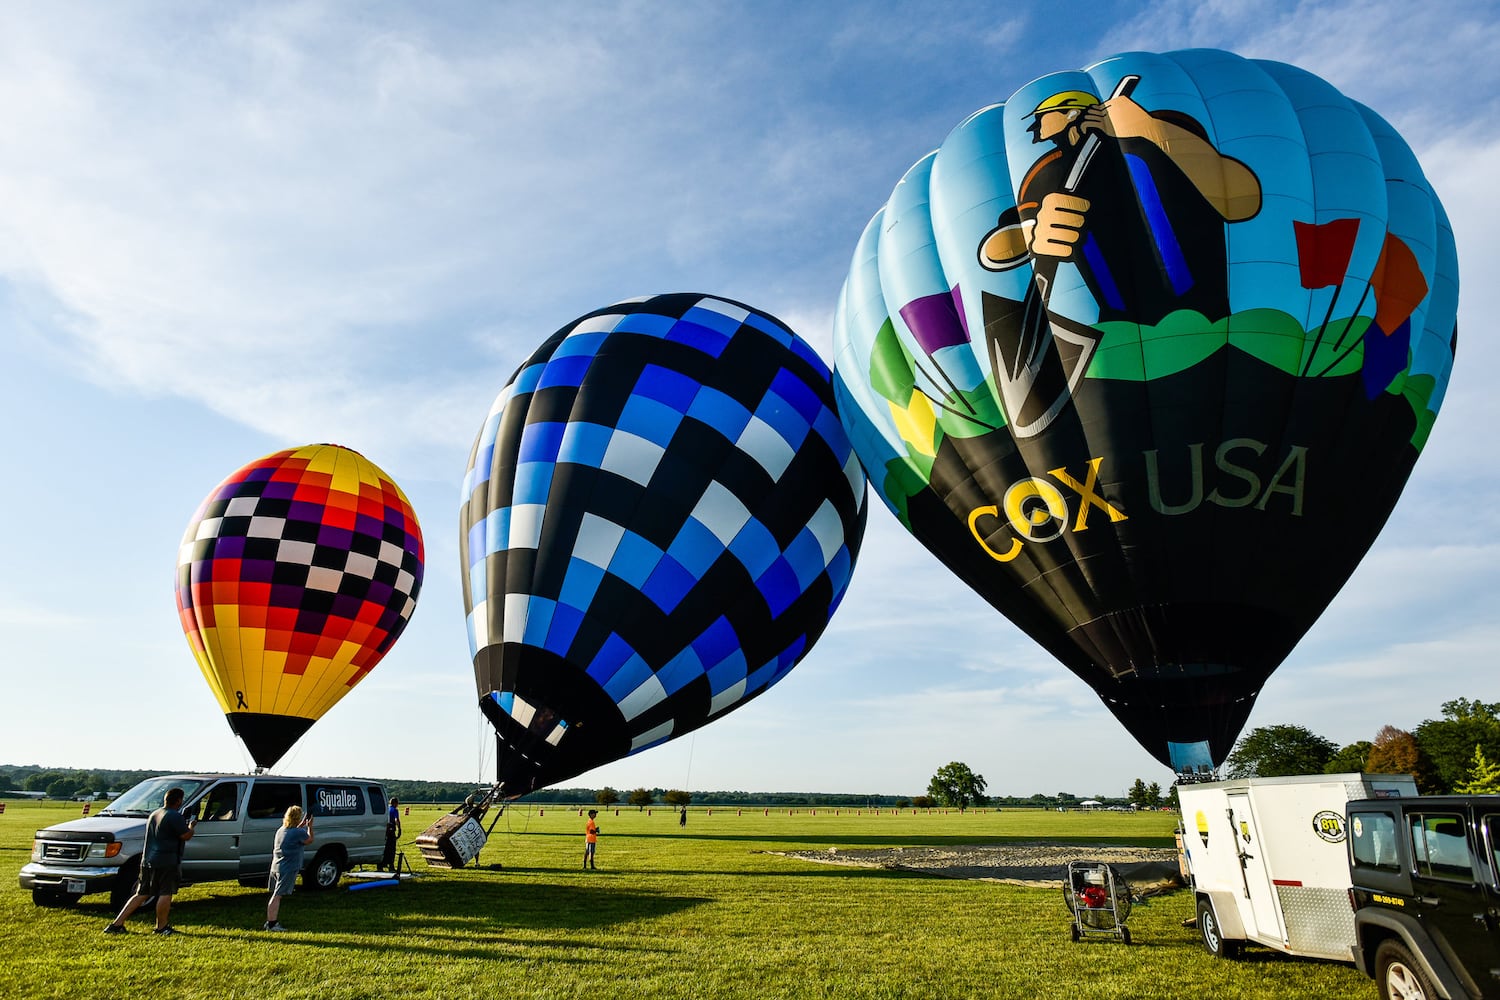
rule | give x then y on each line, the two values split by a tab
660	515
296	575
1145	354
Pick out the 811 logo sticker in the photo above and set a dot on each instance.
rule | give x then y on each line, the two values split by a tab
1329	826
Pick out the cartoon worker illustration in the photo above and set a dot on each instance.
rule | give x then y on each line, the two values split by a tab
1137	201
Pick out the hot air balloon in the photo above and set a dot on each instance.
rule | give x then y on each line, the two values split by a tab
1146	354
295	576
660	515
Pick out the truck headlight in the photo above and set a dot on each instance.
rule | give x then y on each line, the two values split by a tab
104	850
36	850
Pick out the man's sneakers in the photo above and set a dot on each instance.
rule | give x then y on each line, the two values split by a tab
268	926
167	931
115	929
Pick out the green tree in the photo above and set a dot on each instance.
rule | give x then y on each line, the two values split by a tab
606	796
1484	777
955	784
1272	751
1139	795
924	802
1351	758
1449	742
1396	751
677	798
641	798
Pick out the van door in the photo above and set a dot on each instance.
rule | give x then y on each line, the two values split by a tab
1257	879
269	800
213	854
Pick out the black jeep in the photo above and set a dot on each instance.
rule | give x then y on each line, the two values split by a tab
1425	894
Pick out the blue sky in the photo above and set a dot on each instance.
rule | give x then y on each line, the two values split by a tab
231	229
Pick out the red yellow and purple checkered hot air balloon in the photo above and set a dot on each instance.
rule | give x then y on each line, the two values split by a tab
295	577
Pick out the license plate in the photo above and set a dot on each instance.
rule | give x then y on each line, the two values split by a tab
75	886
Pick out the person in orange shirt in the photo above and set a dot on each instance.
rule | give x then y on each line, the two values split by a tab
590	839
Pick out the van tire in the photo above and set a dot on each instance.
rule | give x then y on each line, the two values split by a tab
53	897
1212	934
326	869
124	888
1398	975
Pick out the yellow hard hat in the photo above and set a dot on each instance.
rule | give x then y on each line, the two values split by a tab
1067	100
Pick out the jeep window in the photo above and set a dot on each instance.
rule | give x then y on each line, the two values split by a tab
221	803
271	799
1374	841
377	800
146	798
1491	824
1440	846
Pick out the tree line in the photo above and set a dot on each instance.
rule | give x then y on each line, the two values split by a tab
1458	752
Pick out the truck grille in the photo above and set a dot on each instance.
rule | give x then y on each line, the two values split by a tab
64	852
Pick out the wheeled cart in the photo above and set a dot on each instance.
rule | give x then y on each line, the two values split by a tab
1099	900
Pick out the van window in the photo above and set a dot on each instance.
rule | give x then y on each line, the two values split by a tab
271	799
335	800
377	799
221	803
1440	846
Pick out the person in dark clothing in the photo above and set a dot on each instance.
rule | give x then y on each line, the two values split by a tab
392	834
167	831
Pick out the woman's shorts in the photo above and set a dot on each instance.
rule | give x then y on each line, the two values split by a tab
283	883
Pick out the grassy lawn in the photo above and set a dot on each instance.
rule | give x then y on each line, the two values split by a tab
704	911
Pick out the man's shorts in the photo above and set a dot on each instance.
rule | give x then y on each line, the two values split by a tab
157	881
283	883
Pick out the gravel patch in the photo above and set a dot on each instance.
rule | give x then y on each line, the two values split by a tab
1147	869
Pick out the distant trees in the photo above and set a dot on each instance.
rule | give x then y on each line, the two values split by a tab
1484	777
606	796
955	785
1350	759
1144	796
1450	742
641	798
1396	751
677	798
1272	751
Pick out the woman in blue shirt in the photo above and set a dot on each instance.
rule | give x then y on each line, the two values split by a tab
295	834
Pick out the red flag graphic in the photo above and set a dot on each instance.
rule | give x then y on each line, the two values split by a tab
1399	284
1323	251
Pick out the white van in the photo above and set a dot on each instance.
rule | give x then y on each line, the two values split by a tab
238	816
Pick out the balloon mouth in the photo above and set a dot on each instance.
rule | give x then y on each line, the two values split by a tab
267	737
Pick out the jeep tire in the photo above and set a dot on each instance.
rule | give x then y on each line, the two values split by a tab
1398	975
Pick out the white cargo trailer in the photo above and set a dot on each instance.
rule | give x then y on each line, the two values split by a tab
1268	861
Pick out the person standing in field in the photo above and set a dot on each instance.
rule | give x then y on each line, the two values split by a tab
291	842
590	839
167	832
392	834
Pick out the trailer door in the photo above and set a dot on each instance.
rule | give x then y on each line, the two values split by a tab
1257	879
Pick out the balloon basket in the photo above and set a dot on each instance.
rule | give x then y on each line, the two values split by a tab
453	841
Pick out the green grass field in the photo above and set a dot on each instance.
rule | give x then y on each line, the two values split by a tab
700	912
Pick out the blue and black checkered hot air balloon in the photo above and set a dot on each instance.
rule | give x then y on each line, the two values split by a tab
660	516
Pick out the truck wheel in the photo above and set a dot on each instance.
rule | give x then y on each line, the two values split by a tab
124	887
1212	934
53	897
1398	975
325	870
